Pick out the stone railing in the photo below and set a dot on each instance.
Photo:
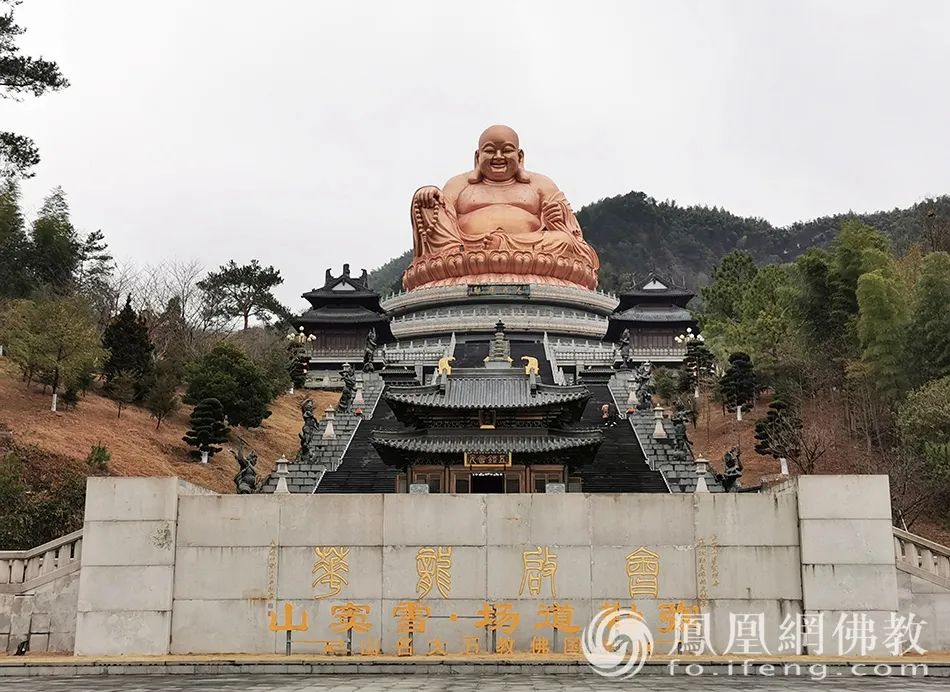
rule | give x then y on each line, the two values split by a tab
502	312
353	355
584	355
443	325
922	558
658	351
597	300
24	570
556	370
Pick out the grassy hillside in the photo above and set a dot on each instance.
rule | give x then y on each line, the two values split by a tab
137	448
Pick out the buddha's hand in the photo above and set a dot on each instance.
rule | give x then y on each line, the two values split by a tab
552	215
428	197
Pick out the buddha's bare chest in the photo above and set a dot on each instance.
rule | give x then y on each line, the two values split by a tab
479	196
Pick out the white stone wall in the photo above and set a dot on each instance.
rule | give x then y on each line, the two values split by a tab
848	550
930	603
169	571
45	616
128	565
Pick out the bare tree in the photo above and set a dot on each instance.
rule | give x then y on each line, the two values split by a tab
801	436
167	295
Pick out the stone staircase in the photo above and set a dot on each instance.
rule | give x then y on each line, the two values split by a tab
921	558
39	589
680	475
328	452
620	465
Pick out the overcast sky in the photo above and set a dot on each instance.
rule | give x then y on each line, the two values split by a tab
296	132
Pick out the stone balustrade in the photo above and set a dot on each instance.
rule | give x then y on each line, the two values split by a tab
499	311
24	570
415	326
418	298
352	355
922	558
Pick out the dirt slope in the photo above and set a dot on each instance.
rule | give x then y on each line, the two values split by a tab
137	447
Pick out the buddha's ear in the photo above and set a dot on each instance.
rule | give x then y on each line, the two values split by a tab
521	175
476	176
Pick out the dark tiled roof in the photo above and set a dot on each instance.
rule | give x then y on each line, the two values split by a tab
344	314
519	442
513	391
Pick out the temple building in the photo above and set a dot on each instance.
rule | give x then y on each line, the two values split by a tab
495	428
496	370
655	313
338	326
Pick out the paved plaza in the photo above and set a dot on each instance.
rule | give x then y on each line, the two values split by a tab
453	683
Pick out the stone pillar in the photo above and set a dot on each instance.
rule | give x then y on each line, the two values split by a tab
128	566
847	545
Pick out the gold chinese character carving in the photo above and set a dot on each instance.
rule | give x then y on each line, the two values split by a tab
350	617
370	647
436	647
559	616
643	571
498	617
335	647
505	645
539	564
404	646
472	645
669	611
411	617
540	645
331	568
433	566
288	624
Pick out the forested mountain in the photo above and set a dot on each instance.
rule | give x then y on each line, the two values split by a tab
634	233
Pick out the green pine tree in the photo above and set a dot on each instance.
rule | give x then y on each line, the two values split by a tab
207	429
243	292
122	389
15	278
162	399
722	298
55	245
776	434
21	75
242	387
52	339
737	386
130	349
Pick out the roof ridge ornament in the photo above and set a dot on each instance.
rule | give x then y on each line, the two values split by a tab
330	281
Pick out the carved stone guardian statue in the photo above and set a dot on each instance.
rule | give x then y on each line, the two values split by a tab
246	479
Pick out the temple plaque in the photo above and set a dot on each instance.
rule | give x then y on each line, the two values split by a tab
488	460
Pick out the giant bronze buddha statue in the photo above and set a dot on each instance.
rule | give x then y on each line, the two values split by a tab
497	224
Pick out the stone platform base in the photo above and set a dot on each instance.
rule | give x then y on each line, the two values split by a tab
930	666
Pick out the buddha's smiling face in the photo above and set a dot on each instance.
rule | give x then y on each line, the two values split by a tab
498	157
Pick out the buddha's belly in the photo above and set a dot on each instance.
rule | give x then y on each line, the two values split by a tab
511	219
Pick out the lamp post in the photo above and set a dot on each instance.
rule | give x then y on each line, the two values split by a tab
282	474
702	465
298	340
686	340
